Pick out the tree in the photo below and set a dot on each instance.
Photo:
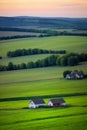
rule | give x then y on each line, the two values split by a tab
10	66
23	66
3	68
73	60
63	61
66	72
30	65
83	57
52	60
58	60
0	57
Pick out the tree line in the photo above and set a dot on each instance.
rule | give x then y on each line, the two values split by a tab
23	52
43	33
71	59
16	37
17	29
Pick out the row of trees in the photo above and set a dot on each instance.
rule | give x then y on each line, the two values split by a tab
23	52
43	31
71	59
16	37
48	34
34	30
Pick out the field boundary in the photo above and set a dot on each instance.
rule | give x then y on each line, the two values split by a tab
44	96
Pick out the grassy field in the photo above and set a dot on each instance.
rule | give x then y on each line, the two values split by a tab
38	74
21	59
14	113
71	44
17	88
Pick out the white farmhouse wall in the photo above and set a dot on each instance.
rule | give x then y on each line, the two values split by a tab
33	105
50	103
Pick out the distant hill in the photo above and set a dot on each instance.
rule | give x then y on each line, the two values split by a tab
39	22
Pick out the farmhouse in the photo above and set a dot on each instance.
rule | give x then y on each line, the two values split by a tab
75	75
57	102
35	103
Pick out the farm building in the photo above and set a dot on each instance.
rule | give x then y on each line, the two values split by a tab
57	102
35	103
75	75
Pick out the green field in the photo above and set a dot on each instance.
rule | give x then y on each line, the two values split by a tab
21	59
17	88
71	44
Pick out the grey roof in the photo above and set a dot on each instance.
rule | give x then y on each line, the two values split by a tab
57	100
38	101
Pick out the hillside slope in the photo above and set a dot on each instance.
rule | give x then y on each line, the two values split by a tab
61	23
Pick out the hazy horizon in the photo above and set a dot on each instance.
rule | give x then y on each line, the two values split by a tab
44	8
41	16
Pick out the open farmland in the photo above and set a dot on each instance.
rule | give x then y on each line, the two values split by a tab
15	97
18	87
69	43
14	33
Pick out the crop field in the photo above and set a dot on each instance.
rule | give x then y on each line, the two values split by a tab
18	87
14	33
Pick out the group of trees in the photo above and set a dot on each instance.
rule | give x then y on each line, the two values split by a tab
23	52
0	57
71	59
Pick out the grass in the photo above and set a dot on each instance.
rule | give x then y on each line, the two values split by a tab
16	118
38	74
71	44
42	88
21	59
17	88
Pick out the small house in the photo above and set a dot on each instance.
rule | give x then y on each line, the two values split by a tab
68	76
75	75
36	103
57	102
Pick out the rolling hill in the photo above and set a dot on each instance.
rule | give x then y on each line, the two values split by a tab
18	87
39	22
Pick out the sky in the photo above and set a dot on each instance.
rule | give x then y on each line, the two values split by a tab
44	8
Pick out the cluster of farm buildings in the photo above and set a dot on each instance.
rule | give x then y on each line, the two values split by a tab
36	103
75	75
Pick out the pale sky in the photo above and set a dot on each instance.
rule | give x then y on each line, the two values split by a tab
44	8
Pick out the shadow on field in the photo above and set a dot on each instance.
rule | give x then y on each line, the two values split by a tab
59	116
45	107
43	97
48	118
27	108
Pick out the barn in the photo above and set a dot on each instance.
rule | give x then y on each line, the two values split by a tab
35	103
57	102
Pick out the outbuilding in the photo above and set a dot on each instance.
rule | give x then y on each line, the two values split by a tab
57	102
36	103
